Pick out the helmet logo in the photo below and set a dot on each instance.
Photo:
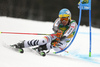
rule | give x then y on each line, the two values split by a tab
67	12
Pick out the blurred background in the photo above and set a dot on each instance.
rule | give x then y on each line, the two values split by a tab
47	10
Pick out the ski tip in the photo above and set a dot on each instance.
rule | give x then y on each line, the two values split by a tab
21	50
54	52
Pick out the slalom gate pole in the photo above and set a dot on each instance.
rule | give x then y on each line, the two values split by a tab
83	5
23	33
90	29
86	5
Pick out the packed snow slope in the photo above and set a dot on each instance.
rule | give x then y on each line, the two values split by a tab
78	51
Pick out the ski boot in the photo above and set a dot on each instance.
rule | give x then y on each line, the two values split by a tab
19	47
41	49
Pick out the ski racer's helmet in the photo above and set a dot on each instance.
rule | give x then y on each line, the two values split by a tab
65	13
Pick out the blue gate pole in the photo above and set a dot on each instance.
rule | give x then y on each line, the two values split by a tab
86	5
83	5
90	32
90	29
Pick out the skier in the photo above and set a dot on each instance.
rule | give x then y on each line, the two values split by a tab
64	28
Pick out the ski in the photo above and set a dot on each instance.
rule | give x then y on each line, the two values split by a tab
20	50
12	47
42	53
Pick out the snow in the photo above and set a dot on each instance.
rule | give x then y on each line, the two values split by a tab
78	51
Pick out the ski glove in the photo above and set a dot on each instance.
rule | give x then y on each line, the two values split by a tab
59	34
55	42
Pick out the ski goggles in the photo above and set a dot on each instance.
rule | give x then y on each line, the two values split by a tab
63	15
64	18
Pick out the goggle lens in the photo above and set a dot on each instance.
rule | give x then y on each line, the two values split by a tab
66	19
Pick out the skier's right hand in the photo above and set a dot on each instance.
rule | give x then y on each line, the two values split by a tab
59	34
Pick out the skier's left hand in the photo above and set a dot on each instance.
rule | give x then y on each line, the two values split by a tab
55	42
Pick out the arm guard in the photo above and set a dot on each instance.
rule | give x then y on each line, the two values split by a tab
56	24
71	29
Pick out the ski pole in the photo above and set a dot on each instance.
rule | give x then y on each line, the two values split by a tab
61	49
23	33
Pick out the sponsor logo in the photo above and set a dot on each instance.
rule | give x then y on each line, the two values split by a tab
72	26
